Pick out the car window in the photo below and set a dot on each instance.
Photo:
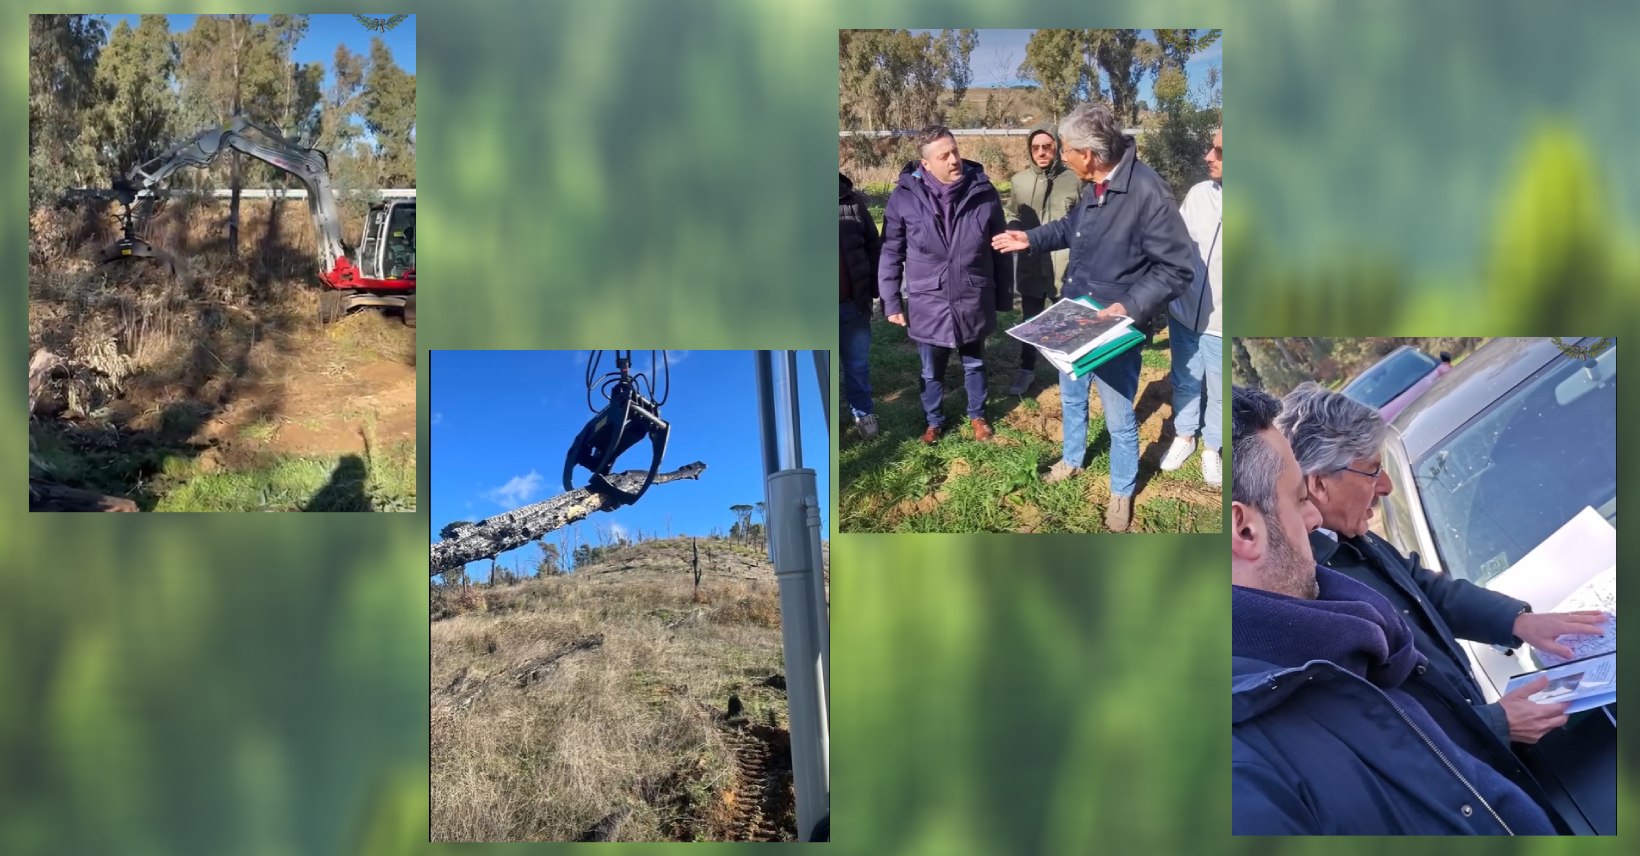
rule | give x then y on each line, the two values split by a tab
1380	384
1531	461
1397	512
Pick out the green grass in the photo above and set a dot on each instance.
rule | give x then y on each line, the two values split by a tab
301	483
894	483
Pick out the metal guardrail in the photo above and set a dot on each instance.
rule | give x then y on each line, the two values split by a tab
250	193
966	132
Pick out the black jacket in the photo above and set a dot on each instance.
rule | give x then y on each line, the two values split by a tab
1440	610
1132	248
859	244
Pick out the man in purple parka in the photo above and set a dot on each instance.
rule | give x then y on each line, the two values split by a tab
937	232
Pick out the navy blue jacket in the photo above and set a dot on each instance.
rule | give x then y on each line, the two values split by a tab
1133	249
1440	610
954	283
1326	741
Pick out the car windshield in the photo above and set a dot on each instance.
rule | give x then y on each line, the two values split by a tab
1380	384
1532	460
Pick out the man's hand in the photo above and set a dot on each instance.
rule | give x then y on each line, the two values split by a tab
1113	309
1541	631
1011	241
1528	720
897	318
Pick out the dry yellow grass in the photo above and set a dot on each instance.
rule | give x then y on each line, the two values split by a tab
626	738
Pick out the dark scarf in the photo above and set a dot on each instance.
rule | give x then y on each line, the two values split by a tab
1355	627
946	197
1348	624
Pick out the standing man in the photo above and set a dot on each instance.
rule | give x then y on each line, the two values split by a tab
1044	191
937	234
858	251
1130	253
1194	331
1327	735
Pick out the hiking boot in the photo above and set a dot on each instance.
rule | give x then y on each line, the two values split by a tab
932	435
982	429
1178	453
866	425
1119	513
1059	472
1022	382
1212	469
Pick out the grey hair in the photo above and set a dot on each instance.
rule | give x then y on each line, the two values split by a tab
1329	430
1254	465
929	135
1093	127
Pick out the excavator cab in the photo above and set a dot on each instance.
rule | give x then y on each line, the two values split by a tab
387	250
632	413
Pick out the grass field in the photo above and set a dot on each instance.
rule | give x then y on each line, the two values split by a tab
894	483
597	706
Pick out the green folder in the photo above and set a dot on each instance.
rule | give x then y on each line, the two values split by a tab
1099	356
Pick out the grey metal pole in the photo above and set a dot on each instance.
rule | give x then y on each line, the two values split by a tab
792	506
791	456
790	495
765	412
822	373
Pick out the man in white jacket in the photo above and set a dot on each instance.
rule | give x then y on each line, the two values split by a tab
1195	332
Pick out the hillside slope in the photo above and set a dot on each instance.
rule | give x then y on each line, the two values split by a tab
614	704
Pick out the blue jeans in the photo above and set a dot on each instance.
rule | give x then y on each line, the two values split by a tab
1118	382
934	361
1197	358
854	340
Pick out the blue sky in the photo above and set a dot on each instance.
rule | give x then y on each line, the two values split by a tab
324	33
502	422
995	61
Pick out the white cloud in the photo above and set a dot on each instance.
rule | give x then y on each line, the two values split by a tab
516	491
618	531
677	357
437	417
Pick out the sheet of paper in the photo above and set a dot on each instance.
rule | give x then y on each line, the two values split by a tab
1583	683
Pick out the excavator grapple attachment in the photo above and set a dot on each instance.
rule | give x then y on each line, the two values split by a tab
624	422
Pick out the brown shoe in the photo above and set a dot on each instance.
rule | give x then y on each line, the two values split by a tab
982	429
932	435
1119	513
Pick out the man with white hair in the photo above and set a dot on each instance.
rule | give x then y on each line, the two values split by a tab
1195	331
1339	443
1130	253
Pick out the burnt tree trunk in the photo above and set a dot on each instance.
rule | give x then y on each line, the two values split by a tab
470	542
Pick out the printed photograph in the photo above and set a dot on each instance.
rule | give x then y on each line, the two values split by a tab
1417	527
629	600
991	177
222	263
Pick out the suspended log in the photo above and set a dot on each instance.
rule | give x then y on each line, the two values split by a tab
469	542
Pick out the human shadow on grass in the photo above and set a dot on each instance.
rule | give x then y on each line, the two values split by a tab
345	490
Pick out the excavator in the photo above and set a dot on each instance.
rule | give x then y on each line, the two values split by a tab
380	273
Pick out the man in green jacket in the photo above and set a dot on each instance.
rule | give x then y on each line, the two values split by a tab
1042	192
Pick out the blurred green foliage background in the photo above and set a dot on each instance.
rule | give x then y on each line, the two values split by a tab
656	173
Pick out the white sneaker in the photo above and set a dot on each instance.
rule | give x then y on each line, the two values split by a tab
1178	453
1022	382
1212	470
867	425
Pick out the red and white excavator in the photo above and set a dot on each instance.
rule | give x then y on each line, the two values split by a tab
380	272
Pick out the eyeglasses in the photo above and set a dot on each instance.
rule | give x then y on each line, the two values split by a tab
1042	147
1218	152
1372	475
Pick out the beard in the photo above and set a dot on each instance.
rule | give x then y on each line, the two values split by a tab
1287	572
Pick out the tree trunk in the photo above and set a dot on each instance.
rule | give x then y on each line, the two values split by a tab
514	529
